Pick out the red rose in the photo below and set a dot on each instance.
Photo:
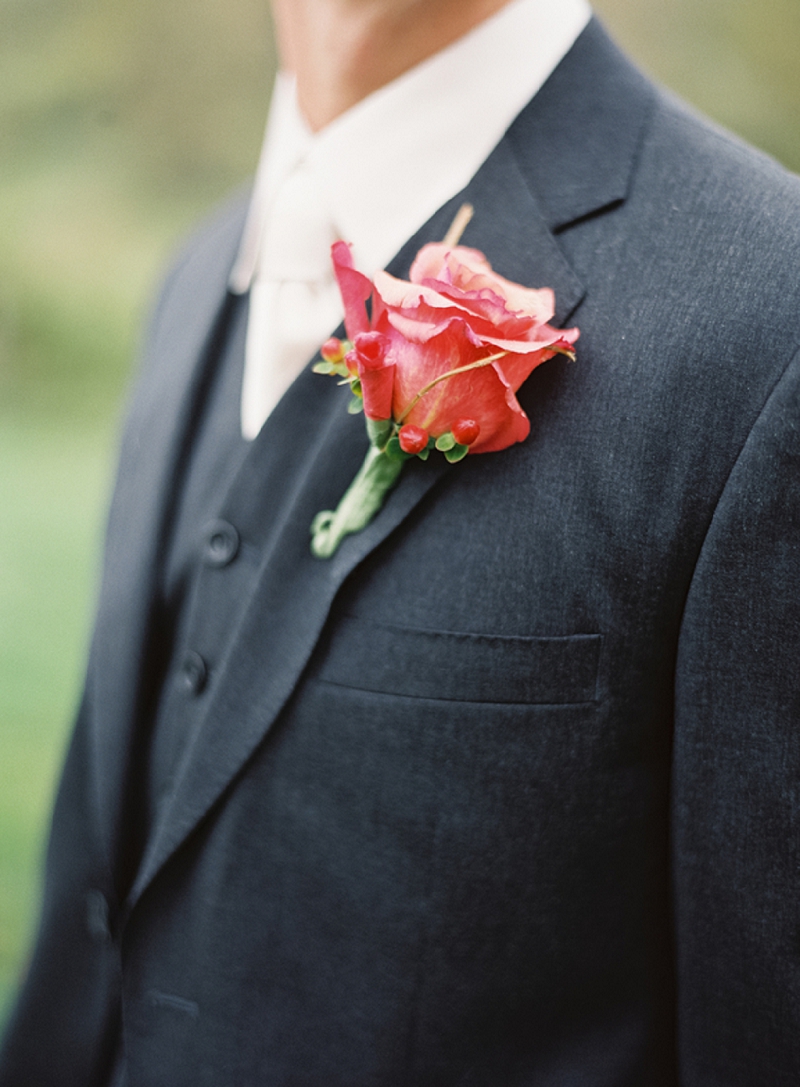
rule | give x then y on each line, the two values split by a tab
454	314
435	361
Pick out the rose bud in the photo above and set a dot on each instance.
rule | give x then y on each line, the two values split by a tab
370	349
333	350
375	372
413	439
465	431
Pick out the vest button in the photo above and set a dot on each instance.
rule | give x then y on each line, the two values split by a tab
222	544
194	673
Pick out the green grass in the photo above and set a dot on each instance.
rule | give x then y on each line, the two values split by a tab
119	124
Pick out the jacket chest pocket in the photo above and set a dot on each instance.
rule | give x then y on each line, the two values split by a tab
461	667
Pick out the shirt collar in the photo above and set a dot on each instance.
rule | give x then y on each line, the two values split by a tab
388	163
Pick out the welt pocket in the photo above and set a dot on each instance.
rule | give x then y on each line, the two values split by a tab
461	667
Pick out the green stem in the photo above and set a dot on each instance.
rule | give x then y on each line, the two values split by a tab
361	501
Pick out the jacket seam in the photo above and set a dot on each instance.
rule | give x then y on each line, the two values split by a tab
765	407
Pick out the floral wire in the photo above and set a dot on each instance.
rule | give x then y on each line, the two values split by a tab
479	364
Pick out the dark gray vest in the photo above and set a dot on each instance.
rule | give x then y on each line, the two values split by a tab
198	538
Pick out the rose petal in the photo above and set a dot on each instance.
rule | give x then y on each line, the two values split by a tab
483	394
490	307
354	288
467	272
520	362
377	388
486	314
517	368
470	274
431	260
421	331
398	294
536	304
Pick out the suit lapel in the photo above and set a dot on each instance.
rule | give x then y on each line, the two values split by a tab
310	449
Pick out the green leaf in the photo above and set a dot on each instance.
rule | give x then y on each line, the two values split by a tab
457	453
445	442
425	453
394	451
355	385
356	406
324	367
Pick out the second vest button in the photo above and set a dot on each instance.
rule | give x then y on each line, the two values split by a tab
221	544
194	673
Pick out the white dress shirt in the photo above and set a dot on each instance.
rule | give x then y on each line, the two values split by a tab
373	177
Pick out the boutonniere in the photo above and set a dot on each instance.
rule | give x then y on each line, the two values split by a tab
434	365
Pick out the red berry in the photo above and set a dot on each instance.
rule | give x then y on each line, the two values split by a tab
413	439
351	361
466	431
332	350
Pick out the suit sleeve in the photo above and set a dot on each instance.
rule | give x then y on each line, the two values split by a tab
63	1028
736	784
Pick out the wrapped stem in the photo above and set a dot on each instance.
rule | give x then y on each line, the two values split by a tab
361	501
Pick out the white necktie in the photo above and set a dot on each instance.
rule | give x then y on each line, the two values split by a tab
294	302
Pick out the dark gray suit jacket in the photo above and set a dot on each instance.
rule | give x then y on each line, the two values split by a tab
506	792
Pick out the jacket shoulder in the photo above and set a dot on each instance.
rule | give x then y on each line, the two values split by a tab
716	164
205	256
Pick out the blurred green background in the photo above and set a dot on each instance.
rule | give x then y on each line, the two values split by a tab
120	123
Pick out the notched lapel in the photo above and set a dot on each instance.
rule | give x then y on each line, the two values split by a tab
578	141
508	227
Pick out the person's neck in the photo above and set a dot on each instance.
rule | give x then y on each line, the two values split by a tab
340	51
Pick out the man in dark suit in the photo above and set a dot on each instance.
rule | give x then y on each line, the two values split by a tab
504	792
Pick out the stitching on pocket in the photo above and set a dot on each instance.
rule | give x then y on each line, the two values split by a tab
461	667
